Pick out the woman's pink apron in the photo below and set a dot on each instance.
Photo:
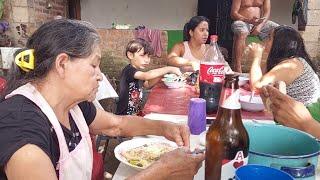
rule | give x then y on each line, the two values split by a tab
76	164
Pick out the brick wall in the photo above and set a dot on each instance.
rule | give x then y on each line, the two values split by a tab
113	46
311	35
25	16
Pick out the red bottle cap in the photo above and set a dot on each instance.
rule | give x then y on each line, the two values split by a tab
214	38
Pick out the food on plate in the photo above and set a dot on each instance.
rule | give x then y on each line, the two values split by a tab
174	77
146	154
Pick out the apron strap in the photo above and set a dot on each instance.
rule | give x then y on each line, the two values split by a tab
30	92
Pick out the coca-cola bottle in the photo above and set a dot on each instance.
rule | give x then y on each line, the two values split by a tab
227	141
211	75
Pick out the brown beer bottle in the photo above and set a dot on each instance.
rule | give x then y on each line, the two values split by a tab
227	141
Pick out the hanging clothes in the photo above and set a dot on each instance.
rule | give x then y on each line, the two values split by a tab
153	36
300	11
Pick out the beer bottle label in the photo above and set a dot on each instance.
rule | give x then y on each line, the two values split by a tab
229	98
229	167
211	73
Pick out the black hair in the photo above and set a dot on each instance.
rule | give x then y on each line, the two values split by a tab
136	45
287	43
191	25
73	37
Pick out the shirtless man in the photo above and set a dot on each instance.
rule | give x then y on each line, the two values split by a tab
250	17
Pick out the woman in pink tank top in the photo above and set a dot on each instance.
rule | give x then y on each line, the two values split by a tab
188	54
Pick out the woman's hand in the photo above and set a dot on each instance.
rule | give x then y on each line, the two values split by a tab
279	85
177	164
195	65
177	133
286	110
255	51
181	164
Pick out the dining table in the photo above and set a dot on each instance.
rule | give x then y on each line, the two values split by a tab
172	105
176	101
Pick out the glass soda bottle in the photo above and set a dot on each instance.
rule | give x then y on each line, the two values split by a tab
211	75
227	141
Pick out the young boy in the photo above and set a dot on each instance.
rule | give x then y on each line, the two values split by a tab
132	78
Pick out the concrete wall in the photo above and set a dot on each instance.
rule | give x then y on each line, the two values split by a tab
162	14
281	12
311	35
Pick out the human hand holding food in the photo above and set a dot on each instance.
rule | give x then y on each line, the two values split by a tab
177	132
280	85
181	163
285	109
177	164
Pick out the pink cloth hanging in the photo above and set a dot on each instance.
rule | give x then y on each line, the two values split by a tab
153	36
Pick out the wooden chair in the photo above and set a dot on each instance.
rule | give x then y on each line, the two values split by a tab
109	105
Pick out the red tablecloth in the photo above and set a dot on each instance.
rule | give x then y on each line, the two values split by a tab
176	101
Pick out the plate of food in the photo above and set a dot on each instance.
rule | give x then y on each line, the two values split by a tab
174	81
140	153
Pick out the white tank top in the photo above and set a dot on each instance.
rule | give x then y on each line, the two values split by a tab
187	53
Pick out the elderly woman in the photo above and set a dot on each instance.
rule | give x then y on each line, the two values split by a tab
46	113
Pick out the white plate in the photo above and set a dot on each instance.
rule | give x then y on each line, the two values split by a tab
127	145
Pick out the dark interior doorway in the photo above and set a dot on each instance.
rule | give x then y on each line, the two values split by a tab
218	12
74	9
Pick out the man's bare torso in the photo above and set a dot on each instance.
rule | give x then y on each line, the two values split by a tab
251	8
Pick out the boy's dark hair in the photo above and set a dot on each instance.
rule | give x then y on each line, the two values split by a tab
137	44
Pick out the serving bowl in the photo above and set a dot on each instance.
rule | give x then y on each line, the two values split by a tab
254	105
174	81
173	84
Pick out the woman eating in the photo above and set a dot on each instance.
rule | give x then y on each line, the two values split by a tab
46	112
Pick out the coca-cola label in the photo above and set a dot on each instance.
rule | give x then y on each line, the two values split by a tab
212	73
229	98
229	167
